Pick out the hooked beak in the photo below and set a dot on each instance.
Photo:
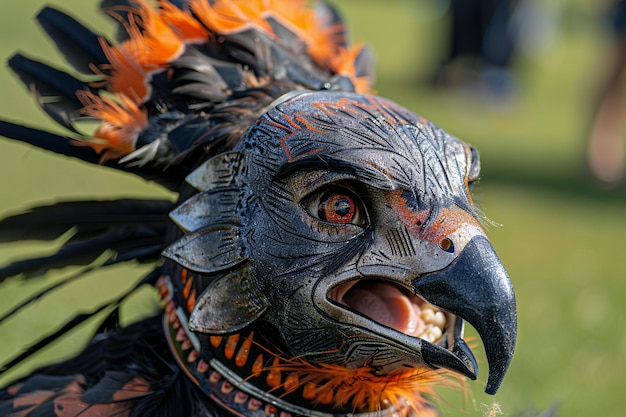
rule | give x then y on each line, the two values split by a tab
477	288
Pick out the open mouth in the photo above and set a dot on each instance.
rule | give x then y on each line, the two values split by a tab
393	306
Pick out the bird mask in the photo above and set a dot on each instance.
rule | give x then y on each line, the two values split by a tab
343	224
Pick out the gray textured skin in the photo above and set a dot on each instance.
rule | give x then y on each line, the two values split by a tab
284	260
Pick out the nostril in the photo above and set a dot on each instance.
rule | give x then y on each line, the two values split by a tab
446	244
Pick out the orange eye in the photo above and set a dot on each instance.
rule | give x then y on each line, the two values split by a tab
337	205
337	208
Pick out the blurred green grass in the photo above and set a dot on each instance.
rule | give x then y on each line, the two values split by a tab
560	236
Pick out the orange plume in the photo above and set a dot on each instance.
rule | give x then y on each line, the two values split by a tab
121	123
406	390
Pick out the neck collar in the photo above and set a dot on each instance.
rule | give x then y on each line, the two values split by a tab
234	393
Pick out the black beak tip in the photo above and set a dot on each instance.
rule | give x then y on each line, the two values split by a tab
500	352
476	288
496	375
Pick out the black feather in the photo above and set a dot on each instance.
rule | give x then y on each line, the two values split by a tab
170	177
329	18
106	389
87	251
82	363
83	252
54	90
131	229
80	46
365	64
89	218
198	78
117	10
134	354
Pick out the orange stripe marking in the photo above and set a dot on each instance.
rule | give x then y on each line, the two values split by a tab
231	345
244	351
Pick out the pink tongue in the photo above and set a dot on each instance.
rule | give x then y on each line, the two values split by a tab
387	305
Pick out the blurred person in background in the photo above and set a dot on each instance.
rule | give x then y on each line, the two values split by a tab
484	34
605	146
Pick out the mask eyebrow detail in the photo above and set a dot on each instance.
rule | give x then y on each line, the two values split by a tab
320	162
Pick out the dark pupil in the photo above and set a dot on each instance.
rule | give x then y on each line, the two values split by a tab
342	207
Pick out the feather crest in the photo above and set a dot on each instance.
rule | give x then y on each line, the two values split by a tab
223	61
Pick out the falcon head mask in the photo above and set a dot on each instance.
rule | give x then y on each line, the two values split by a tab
342	235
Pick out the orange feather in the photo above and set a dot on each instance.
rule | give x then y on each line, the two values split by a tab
121	123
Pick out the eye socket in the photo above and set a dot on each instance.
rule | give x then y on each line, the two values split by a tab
336	205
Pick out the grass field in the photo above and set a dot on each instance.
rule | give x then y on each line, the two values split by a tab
559	236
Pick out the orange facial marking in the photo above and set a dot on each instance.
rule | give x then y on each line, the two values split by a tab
449	220
244	351
231	345
307	124
412	220
292	123
331	108
183	276
291	128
